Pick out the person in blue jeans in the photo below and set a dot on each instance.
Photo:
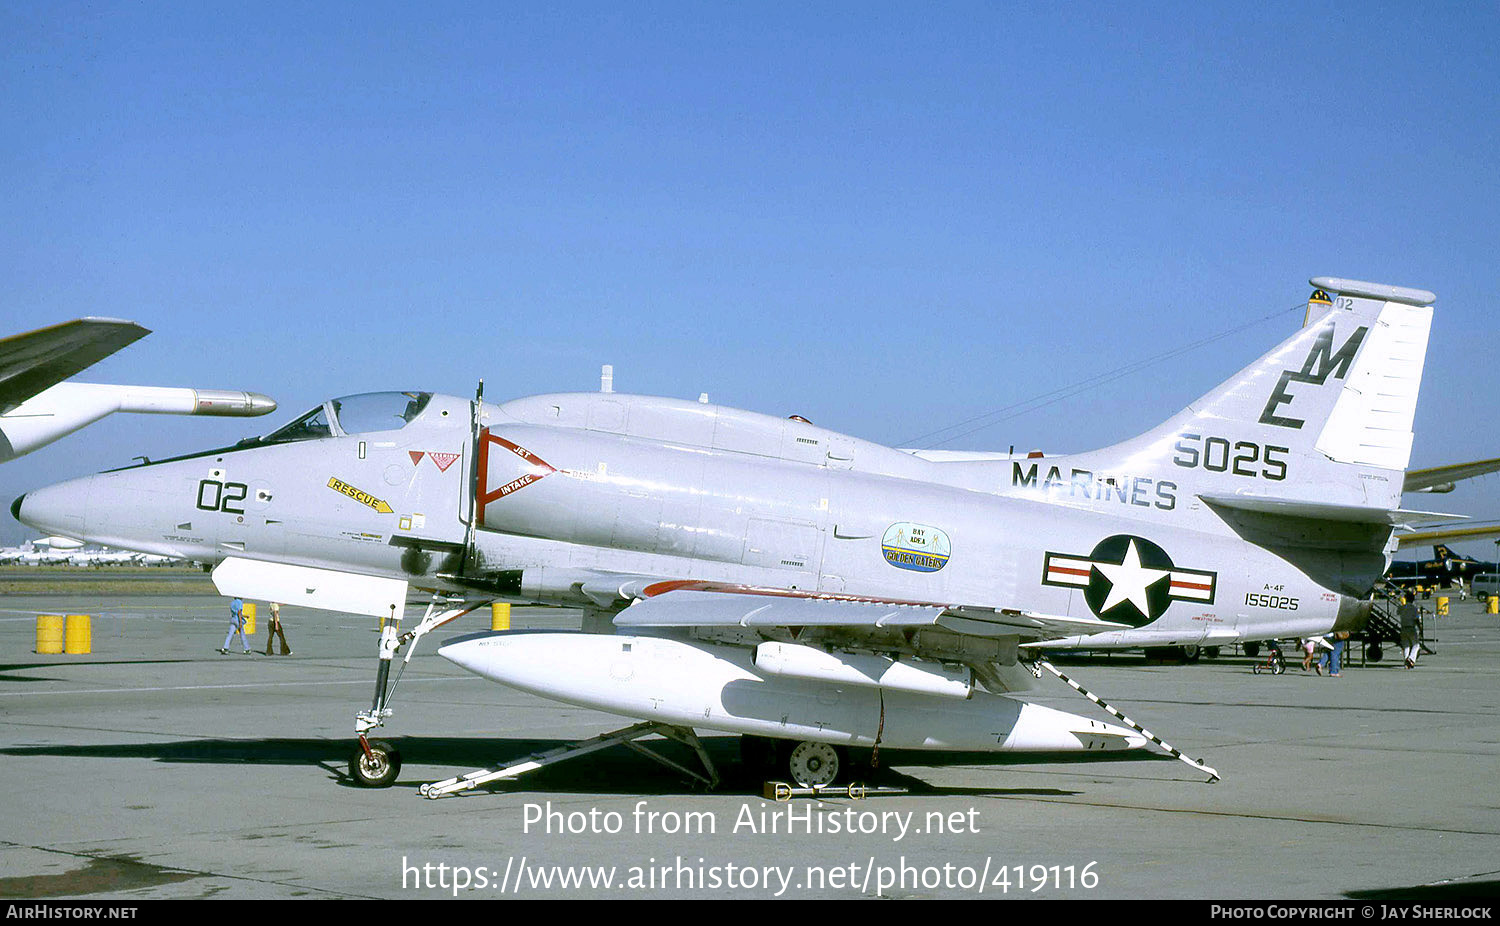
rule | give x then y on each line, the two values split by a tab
236	626
1334	658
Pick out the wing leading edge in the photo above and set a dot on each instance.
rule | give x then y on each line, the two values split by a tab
705	605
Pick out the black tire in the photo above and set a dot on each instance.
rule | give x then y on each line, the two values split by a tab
1191	653
1212	652
379	773
814	765
1256	668
1252	649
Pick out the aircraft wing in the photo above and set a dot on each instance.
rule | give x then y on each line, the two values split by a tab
699	604
1419	479
34	361
1453	535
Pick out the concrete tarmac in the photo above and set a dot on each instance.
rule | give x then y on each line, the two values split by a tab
157	768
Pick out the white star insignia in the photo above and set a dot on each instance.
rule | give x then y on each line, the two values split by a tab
1129	581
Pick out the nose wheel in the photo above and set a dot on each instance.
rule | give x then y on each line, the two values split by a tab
375	764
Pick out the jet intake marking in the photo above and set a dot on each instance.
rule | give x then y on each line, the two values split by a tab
1128	579
539	469
916	547
364	498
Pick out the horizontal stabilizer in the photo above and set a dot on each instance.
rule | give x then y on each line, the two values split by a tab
1352	514
325	589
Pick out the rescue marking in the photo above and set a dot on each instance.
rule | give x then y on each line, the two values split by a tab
364	498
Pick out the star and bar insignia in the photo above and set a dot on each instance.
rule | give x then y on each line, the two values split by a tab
1128	579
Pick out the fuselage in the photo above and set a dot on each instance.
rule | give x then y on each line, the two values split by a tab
541	491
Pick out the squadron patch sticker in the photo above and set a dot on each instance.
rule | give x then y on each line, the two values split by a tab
364	498
915	546
1128	580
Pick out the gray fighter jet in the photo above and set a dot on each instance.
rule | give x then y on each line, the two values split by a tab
812	591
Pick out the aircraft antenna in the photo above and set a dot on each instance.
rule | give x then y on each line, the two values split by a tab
988	419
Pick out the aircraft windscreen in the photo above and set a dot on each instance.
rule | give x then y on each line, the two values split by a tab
378	411
310	426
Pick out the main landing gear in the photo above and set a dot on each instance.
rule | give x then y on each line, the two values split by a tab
376	763
805	764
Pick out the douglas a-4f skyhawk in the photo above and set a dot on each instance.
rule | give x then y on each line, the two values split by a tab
811	591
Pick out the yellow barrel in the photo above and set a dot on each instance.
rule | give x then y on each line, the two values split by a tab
1442	605
79	640
1494	607
49	634
499	615
248	612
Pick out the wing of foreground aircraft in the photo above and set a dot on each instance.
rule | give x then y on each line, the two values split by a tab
37	407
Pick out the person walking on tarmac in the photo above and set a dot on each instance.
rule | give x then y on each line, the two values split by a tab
275	629
236	626
1411	631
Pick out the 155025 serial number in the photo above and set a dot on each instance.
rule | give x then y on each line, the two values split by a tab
1278	602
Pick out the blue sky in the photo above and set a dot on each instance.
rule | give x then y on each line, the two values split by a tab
886	218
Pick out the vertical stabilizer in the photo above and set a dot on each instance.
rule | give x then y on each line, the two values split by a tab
1325	418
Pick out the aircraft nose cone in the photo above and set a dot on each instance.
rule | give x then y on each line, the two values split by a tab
55	510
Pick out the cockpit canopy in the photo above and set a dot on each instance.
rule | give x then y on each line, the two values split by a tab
354	414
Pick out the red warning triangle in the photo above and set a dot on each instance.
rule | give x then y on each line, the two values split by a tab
416	456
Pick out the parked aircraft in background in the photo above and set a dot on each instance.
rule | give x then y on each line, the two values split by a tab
1446	569
771	578
37	407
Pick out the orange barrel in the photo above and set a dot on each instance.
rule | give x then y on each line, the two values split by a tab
79	637
49	634
248	612
1494	607
500	615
